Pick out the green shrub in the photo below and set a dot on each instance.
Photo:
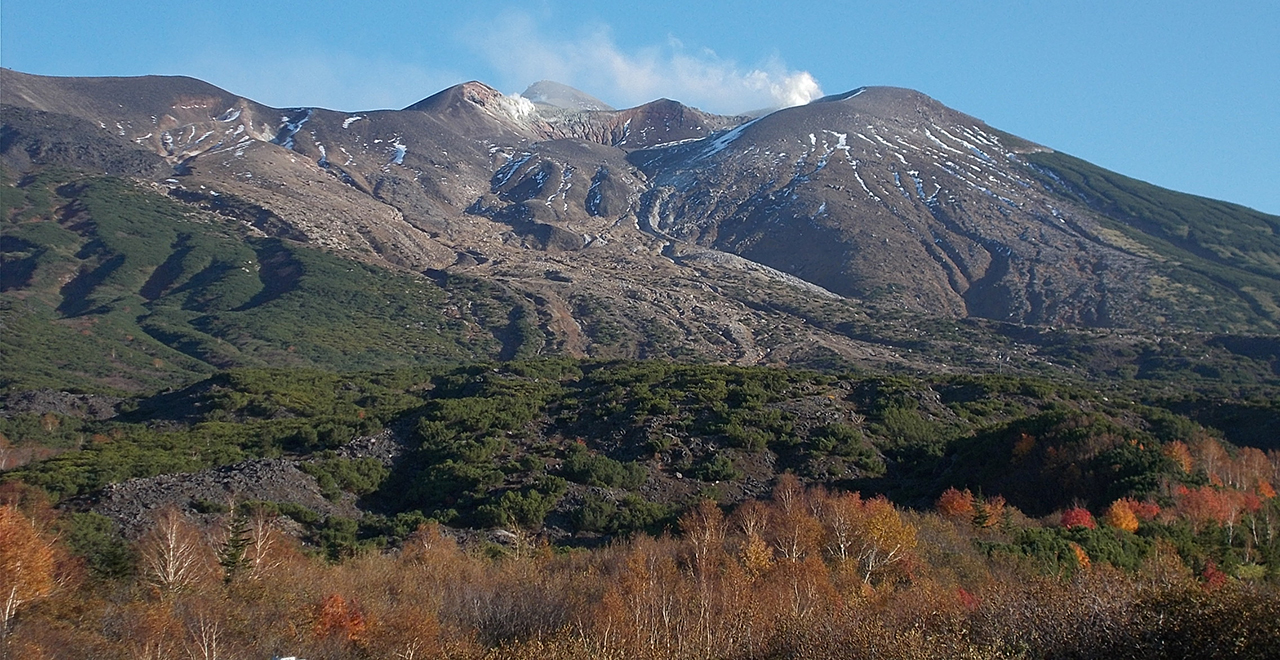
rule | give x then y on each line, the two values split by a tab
839	439
360	476
630	513
96	539
586	467
717	468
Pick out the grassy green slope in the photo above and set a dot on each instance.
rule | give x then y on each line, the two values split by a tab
1222	259
108	285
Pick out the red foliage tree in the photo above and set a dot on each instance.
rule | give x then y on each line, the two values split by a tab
1206	505
1145	511
1213	577
1078	517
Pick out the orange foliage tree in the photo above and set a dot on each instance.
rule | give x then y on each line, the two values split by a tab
27	562
704	526
796	533
988	512
1265	490
1180	454
840	515
1205	505
340	618
956	504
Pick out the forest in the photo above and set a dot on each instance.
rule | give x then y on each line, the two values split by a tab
568	508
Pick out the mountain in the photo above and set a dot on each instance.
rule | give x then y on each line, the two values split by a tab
558	95
886	193
875	228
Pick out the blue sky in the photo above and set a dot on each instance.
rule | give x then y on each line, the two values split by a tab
1182	94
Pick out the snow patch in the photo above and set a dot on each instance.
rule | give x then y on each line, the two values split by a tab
940	143
505	172
290	128
675	143
717	145
863	183
565	175
897	182
915	176
842	139
594	196
346	123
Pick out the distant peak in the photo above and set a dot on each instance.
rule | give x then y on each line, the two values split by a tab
880	94
841	97
476	94
559	95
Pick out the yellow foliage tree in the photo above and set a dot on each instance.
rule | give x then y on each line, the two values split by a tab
1120	515
756	556
1180	454
884	537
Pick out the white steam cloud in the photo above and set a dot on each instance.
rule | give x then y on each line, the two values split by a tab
522	54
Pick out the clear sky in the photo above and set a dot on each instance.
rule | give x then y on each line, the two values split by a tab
1182	94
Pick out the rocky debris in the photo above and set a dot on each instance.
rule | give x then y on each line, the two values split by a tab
384	446
133	503
39	402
